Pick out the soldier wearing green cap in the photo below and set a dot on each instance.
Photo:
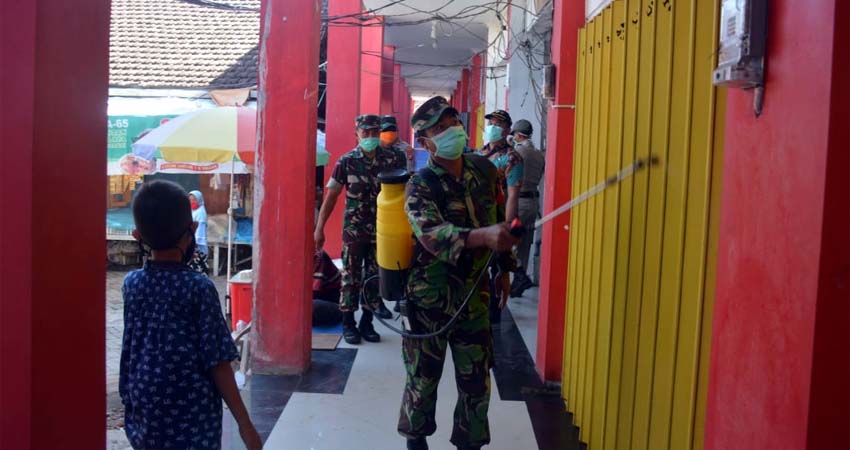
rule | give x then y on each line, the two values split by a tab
453	208
357	171
391	140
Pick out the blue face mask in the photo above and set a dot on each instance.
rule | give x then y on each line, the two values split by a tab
492	133
450	143
369	144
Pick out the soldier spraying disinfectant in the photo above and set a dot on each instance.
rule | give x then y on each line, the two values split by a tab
453	209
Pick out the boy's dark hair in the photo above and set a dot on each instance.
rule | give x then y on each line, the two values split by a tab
162	213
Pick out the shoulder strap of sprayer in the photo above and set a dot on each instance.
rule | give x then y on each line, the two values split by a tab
433	182
482	165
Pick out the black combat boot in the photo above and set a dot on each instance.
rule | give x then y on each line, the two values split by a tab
520	283
383	312
349	328
417	443
366	329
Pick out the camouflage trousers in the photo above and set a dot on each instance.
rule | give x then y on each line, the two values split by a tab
358	265
472	354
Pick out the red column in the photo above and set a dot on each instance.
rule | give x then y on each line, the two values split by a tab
404	112
397	90
475	102
286	162
55	63
779	352
343	102
388	80
568	18
464	91
371	66
410	112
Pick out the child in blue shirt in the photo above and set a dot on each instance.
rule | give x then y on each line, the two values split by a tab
177	349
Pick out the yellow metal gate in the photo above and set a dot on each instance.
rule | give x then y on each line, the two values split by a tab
642	255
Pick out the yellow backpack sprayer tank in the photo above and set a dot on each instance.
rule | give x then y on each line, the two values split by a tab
394	236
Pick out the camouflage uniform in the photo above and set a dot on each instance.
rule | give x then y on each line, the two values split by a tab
401	147
359	175
508	161
441	275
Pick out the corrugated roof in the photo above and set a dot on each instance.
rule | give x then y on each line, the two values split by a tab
184	43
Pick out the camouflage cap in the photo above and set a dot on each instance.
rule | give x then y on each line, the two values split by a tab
500	115
429	113
368	121
388	123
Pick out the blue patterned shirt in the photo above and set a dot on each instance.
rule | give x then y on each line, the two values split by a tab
174	333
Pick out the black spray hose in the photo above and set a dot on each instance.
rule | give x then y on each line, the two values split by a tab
448	326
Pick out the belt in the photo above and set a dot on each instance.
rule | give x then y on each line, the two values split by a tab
529	194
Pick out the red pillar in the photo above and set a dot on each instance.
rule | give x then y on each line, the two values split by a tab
397	90
388	80
568	18
475	102
779	353
55	61
283	243
404	112
464	91
343	102
371	66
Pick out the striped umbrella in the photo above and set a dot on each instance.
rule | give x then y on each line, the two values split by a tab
219	135
215	135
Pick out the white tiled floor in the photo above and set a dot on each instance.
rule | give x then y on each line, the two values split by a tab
365	417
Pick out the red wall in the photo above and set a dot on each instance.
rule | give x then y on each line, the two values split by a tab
777	271
568	18
55	72
828	416
17	37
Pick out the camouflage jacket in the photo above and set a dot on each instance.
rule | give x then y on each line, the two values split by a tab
508	161
441	264
359	175
401	147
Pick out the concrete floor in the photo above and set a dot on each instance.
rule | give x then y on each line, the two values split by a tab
364	416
